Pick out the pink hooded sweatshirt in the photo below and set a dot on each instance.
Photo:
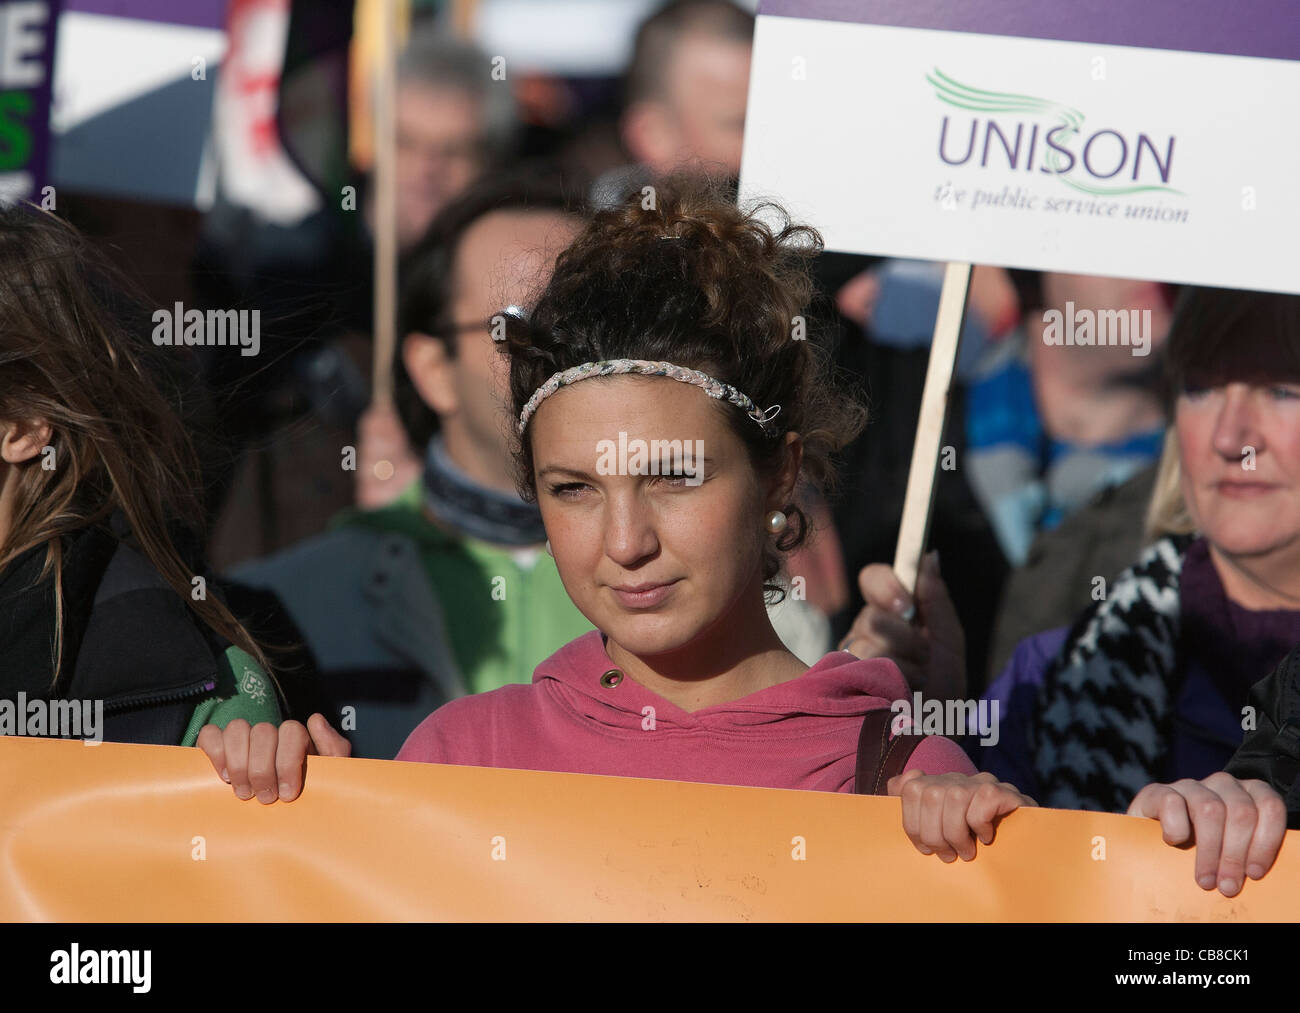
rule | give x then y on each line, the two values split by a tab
798	734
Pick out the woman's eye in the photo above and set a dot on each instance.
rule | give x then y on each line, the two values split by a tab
1285	393
1195	390
568	489
674	478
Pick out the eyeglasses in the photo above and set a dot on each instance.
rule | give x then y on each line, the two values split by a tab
455	330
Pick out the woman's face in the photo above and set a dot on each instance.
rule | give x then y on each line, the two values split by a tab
697	539
1240	454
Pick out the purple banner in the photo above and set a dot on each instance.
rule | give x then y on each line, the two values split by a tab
26	76
195	13
1263	28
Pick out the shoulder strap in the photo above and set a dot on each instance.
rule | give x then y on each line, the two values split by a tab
879	756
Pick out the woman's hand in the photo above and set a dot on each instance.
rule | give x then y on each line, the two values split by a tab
931	651
1238	826
267	761
943	814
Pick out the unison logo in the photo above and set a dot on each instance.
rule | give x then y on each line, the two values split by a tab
1016	139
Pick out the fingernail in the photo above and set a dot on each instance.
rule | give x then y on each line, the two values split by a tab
284	790
244	792
1229	887
1207	881
1256	871
224	775
266	796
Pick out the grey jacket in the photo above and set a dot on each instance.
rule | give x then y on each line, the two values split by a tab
367	609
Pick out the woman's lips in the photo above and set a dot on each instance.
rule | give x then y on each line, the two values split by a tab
648	597
1243	490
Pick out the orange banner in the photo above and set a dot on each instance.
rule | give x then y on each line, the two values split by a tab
148	833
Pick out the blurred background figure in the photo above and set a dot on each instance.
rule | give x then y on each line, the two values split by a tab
312	279
277	216
1062	446
1039	433
1050	425
684	97
447	589
258	195
897	302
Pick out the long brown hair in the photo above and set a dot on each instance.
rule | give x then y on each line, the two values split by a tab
75	353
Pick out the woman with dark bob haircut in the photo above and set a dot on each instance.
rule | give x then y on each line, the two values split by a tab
1140	705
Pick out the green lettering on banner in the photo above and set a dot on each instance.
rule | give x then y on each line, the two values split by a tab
15	135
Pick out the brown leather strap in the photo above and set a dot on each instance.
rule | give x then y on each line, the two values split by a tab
879	756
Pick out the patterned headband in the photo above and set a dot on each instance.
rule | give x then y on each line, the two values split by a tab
714	388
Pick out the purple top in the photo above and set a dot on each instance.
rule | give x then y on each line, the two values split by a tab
1271	28
1227	649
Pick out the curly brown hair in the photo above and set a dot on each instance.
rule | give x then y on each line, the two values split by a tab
729	295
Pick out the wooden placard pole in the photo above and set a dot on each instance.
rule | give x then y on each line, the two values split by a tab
463	13
385	208
914	529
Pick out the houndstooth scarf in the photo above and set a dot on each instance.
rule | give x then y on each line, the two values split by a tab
1105	707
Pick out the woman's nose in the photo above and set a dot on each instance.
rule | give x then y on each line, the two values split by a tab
629	529
1236	435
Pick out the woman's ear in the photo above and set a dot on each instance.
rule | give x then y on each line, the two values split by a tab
21	441
430	369
786	476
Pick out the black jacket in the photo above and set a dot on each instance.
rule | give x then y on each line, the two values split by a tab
1271	751
129	639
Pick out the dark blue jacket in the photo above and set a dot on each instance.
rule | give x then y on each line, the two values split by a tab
1206	732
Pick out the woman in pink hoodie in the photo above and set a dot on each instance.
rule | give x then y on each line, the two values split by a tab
667	405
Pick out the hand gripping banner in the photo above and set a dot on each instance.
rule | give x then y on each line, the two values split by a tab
148	833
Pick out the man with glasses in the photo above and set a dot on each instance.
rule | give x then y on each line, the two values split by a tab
447	589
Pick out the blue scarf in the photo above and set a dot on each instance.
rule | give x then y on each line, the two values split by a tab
477	512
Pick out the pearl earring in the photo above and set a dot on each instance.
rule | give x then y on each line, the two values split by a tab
548	548
776	522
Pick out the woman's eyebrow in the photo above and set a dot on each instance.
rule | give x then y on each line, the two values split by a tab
561	470
697	462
